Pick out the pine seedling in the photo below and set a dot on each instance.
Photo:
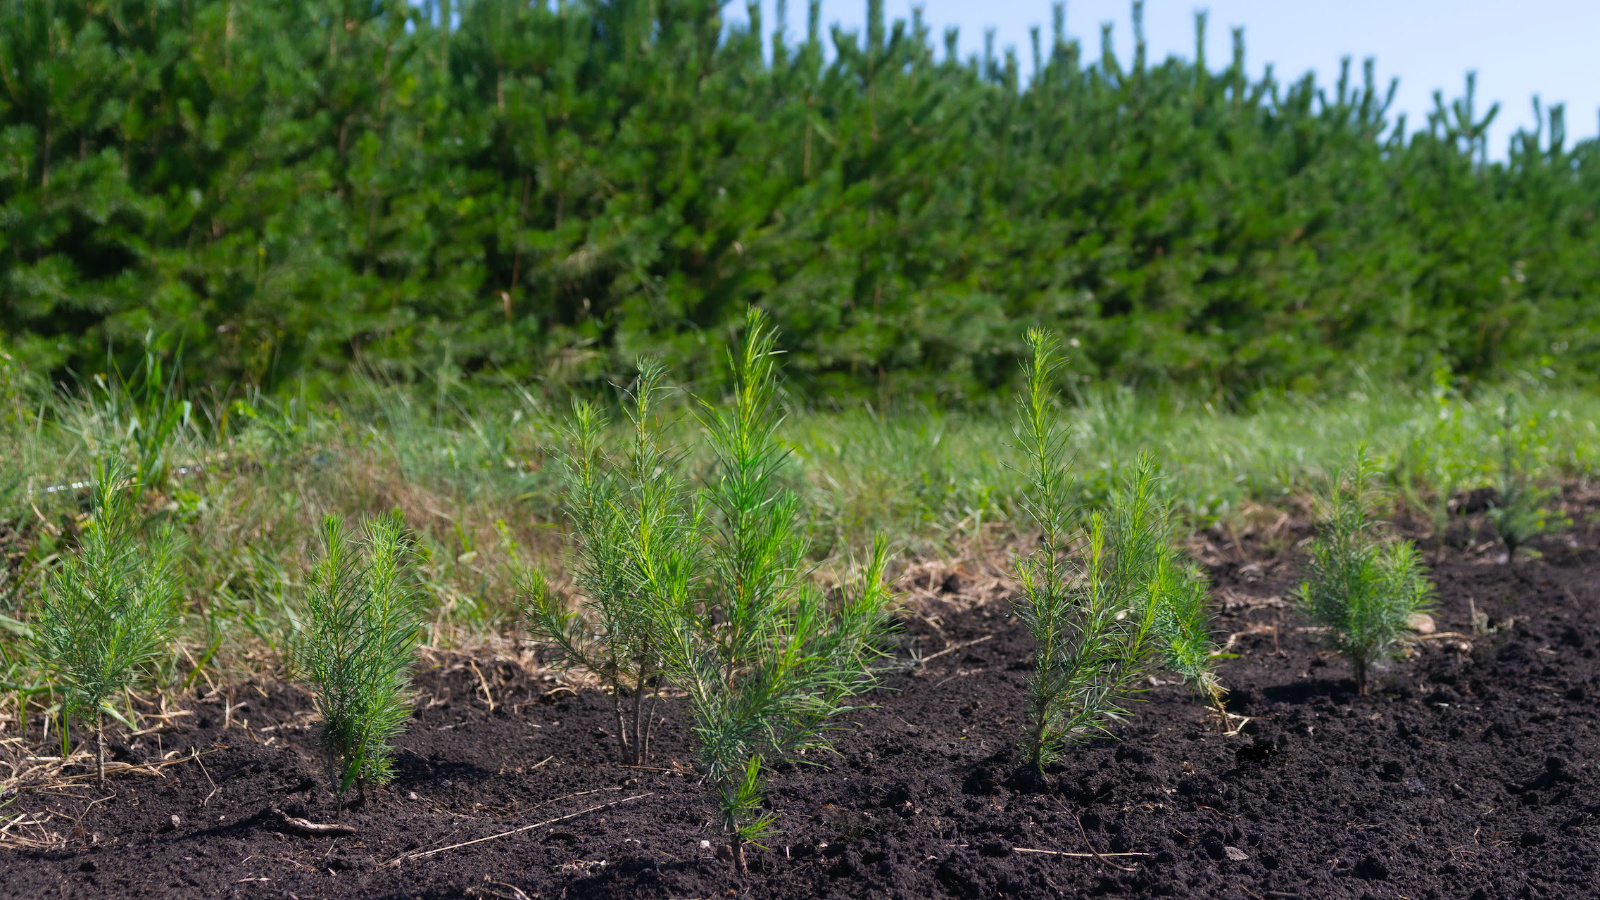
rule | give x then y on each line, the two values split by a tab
1518	513
1102	621
358	647
636	530
109	612
1182	600
1362	588
768	663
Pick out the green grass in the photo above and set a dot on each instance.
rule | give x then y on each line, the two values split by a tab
473	476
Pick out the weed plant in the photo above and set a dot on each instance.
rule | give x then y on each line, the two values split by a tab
635	530
109	613
358	647
1362	588
1440	455
1102	622
1518	512
767	661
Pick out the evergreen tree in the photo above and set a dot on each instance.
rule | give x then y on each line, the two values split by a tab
548	189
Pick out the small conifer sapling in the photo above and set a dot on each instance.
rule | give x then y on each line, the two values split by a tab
767	660
636	530
109	612
358	648
1364	589
1518	513
1123	606
1181	596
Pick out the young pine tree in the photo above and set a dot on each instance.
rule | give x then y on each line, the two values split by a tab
767	661
636	530
357	649
1362	588
1182	600
1101	622
109	611
1518	513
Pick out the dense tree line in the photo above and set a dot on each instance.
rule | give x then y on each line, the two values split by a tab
547	189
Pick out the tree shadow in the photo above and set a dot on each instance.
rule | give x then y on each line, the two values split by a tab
1342	690
412	770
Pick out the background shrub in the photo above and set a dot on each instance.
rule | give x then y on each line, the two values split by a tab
554	189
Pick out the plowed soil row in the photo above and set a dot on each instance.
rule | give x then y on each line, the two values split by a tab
1470	772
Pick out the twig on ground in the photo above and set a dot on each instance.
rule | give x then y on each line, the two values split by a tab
1098	855
954	647
482	683
1075	855
1233	639
314	829
421	853
516	892
1103	857
40	840
213	784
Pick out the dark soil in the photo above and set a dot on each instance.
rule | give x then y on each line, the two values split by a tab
1471	772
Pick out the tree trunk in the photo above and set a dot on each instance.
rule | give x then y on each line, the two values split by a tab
649	724
638	714
100	746
622	725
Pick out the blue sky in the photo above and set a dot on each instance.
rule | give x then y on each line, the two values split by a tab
1518	47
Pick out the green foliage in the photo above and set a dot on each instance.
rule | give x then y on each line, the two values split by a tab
635	531
1182	600
1518	512
110	611
14	395
142	415
1360	587
1101	622
767	661
1441	455
358	648
551	190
